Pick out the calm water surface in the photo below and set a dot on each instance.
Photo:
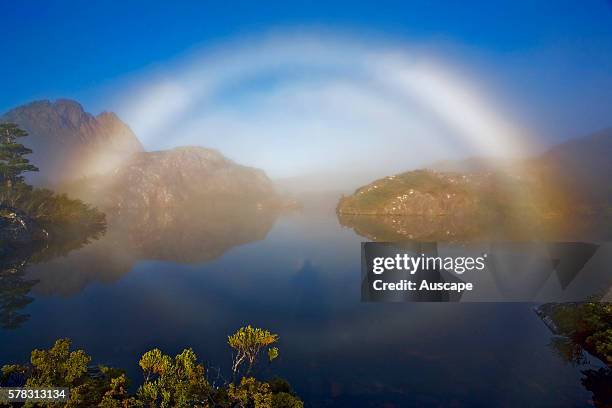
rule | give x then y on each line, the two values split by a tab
174	284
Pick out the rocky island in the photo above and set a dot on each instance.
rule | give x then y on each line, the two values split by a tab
425	193
547	195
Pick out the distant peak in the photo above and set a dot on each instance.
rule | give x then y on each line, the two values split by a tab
59	105
192	151
111	116
196	149
69	103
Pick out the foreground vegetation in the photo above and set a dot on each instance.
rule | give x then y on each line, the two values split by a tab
58	214
35	225
52	215
585	326
179	381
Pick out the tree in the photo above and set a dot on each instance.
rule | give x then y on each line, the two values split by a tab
247	342
179	382
117	395
601	342
250	393
12	161
169	382
59	366
587	324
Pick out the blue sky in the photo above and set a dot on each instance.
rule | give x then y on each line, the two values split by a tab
548	63
56	47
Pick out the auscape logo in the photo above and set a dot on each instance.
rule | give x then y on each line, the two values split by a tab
405	284
484	272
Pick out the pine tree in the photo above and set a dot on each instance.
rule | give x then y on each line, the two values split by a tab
12	161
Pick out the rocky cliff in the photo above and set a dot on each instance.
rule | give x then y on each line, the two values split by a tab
100	160
184	176
69	143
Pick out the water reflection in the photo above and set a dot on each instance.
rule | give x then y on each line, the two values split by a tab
599	382
14	289
15	285
596	380
594	227
300	277
183	235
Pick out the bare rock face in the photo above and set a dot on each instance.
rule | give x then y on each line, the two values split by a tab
100	160
184	176
420	193
69	143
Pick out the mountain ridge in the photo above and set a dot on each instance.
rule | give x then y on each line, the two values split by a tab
179	177
69	143
101	161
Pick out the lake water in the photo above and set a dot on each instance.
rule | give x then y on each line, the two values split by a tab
180	282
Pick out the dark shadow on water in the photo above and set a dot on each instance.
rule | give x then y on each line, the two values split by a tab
599	382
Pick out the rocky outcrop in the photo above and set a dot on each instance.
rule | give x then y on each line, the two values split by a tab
570	178
69	143
425	205
185	176
100	160
560	195
419	193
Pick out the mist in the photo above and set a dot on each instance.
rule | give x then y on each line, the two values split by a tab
335	110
